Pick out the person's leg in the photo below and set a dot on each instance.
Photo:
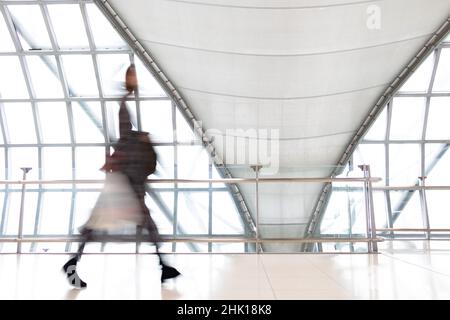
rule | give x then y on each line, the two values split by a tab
153	234
167	272
70	268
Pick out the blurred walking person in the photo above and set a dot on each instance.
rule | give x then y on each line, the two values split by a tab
122	200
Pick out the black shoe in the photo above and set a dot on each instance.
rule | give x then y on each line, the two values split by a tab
168	273
70	269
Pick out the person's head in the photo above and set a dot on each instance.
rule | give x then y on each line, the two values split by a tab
131	78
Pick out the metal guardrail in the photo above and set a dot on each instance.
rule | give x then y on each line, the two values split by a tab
412	188
118	238
371	239
373	233
412	230
231	180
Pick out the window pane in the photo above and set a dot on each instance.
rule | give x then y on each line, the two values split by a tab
80	75
85	201
420	79
437	160
2	167
356	205
228	247
162	222
184	247
2	204
22	158
47	247
56	164
193	163
409	210
165	162
44	79
25	43
156	117
380	209
373	155
29	212
124	247
88	162
20	123
336	217
87	119
31	25
193	212
12	83
147	84
442	81
105	36
6	43
68	26
438	127
378	129
407	118
112	68
357	211
436	201
226	219
53	122
11	220
55	213
164	167
404	164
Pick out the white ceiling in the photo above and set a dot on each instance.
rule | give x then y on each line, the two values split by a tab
310	68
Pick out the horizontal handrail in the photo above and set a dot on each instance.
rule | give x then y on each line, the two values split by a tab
229	180
413	229
406	188
186	239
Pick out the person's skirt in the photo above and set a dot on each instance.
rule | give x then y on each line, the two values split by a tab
117	206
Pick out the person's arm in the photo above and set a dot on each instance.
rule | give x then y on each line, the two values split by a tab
124	116
124	119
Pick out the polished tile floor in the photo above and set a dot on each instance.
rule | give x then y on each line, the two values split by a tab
394	273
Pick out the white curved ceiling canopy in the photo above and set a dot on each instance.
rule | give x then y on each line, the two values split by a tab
313	69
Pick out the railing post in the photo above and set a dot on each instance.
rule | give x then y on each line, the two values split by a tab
138	238
373	227
424	206
22	202
366	205
370	215
257	168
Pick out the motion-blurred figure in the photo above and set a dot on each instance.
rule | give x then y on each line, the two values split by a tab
122	200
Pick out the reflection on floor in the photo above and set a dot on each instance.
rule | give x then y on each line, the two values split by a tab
394	273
